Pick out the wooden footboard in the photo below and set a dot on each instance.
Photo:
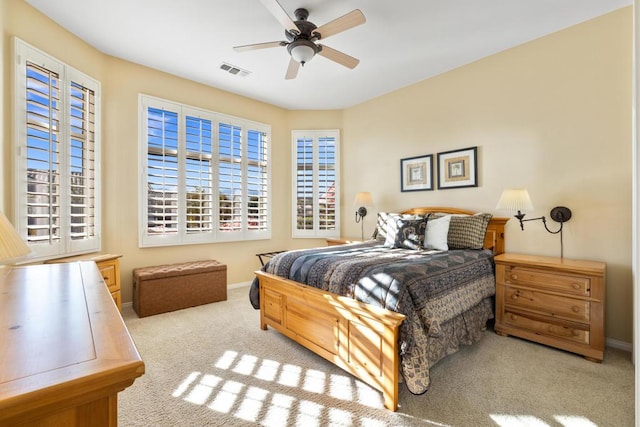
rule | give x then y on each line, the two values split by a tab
359	338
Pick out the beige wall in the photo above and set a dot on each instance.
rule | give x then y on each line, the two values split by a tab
553	115
4	110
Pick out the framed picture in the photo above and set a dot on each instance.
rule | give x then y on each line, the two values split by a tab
458	168
416	173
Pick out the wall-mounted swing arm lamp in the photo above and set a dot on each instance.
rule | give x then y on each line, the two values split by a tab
518	200
362	200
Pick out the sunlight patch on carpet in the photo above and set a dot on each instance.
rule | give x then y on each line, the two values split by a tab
574	421
269	407
504	420
530	421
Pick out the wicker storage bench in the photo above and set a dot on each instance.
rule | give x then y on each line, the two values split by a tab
163	288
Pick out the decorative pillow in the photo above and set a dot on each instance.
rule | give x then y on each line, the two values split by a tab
437	232
468	231
406	233
380	233
386	228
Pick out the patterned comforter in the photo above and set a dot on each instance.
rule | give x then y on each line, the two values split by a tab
444	295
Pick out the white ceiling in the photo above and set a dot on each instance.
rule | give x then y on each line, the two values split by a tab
401	43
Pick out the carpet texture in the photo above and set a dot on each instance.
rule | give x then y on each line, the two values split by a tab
212	366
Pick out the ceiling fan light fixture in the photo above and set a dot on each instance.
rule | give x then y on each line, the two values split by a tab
302	50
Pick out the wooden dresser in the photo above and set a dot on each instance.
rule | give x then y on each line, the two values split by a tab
109	266
65	351
553	301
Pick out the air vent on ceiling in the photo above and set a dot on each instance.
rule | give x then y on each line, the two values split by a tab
232	69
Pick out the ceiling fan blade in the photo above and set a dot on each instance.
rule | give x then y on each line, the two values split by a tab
343	23
278	12
258	46
339	57
292	69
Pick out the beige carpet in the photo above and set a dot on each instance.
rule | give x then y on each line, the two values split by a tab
213	366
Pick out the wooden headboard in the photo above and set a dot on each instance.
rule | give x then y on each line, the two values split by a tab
494	239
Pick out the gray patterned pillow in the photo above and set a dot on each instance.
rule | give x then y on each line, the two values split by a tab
406	233
468	231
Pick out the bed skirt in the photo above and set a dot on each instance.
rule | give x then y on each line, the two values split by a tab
464	329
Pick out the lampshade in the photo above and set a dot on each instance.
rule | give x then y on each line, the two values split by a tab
363	199
302	51
12	247
515	199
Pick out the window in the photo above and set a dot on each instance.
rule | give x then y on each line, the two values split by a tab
57	133
205	176
316	183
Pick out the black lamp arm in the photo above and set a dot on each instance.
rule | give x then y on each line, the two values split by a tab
544	221
559	214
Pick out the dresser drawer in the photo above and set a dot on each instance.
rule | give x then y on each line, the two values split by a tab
539	325
564	283
552	305
108	272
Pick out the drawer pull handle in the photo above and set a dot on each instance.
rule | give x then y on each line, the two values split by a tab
514	317
576	286
514	296
575	309
514	276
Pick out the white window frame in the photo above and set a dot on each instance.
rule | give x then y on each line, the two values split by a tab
66	246
181	237
316	231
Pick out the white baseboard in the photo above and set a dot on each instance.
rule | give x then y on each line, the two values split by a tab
620	345
239	285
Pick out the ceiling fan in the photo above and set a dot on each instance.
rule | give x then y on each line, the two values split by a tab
302	36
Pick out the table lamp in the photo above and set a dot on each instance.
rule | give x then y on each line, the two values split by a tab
12	247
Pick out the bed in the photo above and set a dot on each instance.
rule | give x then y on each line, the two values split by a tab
384	313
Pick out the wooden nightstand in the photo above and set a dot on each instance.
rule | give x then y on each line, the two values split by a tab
109	266
552	301
333	241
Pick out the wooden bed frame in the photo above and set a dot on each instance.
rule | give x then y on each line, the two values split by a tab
359	338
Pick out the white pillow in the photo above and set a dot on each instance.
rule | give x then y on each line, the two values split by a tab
436	233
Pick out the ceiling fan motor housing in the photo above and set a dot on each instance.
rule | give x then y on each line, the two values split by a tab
302	46
305	28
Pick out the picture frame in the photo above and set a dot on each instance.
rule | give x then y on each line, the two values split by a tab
458	168
416	173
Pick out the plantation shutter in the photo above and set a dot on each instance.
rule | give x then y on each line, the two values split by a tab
316	184
304	183
57	162
230	177
82	162
162	171
326	183
199	172
43	155
257	181
205	176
